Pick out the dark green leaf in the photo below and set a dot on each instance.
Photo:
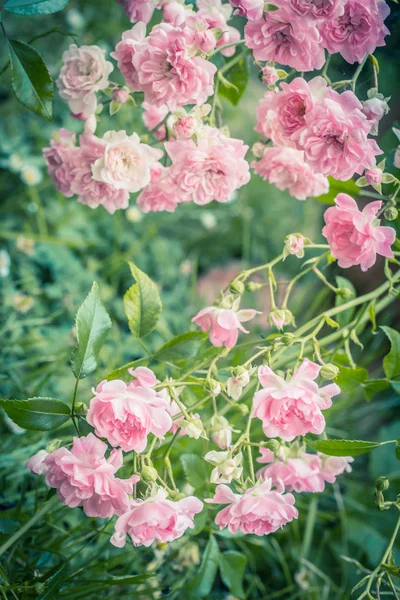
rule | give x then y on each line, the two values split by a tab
373	387
391	362
142	304
342	447
35	7
92	326
337	187
203	581
232	566
195	470
39	414
181	347
30	79
350	379
55	583
237	78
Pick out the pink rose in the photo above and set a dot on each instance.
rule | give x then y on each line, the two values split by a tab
223	324
287	169
162	193
332	466
84	72
251	9
120	96
211	169
36	463
83	477
125	50
373	176
283	37
260	510
125	414
175	12
140	10
152	116
355	237
156	519
61	158
357	32
374	109
216	15
318	9
185	127
291	408
294	244
125	163
298	473
269	75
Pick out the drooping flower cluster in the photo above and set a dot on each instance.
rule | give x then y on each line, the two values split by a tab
223	324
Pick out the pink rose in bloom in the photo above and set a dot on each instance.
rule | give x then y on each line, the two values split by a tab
210	170
143	377
281	114
36	463
294	244
140	10
251	9
284	38
125	414
318	9
185	127
374	176
298	473
162	193
357	32
83	477
60	159
216	15
152	116
126	49
269	75
120	96
91	192
176	11
374	109
156	519
291	408
223	324
355	237
204	37
125	163
260	510
334	138
287	169
332	466
84	72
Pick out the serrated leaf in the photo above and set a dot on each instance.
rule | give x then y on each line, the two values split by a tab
391	362
30	80
35	7
194	469
92	326
181	347
142	304
232	565
203	581
38	414
237	78
342	447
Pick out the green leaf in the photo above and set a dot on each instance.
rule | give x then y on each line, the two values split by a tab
374	387
345	317
232	566
92	326
391	362
342	447
350	379
40	414
142	304
203	581
181	347
337	187
237	78
31	81
35	7
194	469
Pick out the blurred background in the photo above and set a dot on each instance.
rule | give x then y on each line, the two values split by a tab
52	249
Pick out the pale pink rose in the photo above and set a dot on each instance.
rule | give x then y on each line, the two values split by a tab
36	463
227	467
125	163
374	109
318	9
152	116
61	158
120	96
334	138
216	15
162	193
270	75
176	12
396	160
278	318
251	9
332	466
125	414
287	169
223	324
260	510
211	169
143	377
83	477
283	37
236	383
291	408
125	50
84	72
185	127
294	244
281	114
156	519
298	473
204	37
374	176
355	237
140	10
221	432
357	32
91	192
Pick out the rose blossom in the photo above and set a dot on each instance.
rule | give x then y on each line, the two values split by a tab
216	15
125	163
294	244
284	38
270	75
332	466
89	191
84	72
161	193
251	9
357	32
227	467
60	159
300	472
221	432
334	138
260	510
156	519
125	414
355	237
125	50
152	116
211	169
318	9
235	384
287	169
291	408
374	176
83	477
140	10
374	109
223	324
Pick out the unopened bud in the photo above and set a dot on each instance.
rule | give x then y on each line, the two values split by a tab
243	408
272	445
252	286
391	213
382	484
344	293
81	409
213	386
53	445
329	371
149	473
237	287
258	149
221	432
288	339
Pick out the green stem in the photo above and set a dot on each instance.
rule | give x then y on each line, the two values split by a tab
219	48
73	405
358	73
